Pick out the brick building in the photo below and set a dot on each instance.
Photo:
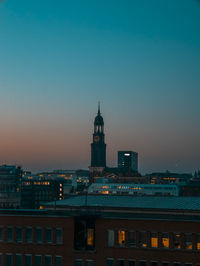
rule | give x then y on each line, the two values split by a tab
103	230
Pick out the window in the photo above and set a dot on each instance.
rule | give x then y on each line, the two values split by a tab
78	262
154	240
1	259
18	260
121	237
177	264
143	239
90	237
154	263
131	263
9	259
59	236
1	234
188	241
10	234
58	261
38	260
165	240
29	234
48	260
165	263
120	262
177	240
48	235
198	241
38	235
111	238
28	260
143	263
89	263
110	262
18	234
188	264
131	239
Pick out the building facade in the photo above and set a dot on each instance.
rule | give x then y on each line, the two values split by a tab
128	161
98	231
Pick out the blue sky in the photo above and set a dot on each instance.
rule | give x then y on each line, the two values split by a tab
141	59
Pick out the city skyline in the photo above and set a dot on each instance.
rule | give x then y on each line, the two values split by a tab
141	60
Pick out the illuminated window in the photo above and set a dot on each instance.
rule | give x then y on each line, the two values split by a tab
177	240
111	238
121	237
131	239
165	240
198	241
188	241
90	237
143	239
154	240
59	236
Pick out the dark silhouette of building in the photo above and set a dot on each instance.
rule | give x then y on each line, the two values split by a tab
128	161
98	147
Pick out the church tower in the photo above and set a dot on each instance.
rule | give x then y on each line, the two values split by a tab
98	147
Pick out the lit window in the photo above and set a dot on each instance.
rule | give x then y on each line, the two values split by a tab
111	238
58	261
121	237
90	237
143	239
38	260
48	260
177	240
188	241
154	240
29	235
110	262
38	235
131	239
48	235
18	260
1	234
59	236
10	234
28	260
19	234
165	240
9	259
198	241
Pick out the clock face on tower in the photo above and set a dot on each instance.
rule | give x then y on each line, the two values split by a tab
96	138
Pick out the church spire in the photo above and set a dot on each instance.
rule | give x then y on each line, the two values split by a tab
99	112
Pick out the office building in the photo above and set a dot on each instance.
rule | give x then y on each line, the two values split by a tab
128	161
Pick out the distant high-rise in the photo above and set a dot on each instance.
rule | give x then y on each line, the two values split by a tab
128	161
98	146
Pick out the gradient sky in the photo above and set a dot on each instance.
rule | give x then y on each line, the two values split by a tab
140	58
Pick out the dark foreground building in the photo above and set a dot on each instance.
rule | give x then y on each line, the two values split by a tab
103	230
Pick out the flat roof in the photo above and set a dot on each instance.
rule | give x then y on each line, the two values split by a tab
140	202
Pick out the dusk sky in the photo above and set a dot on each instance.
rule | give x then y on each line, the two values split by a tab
140	58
